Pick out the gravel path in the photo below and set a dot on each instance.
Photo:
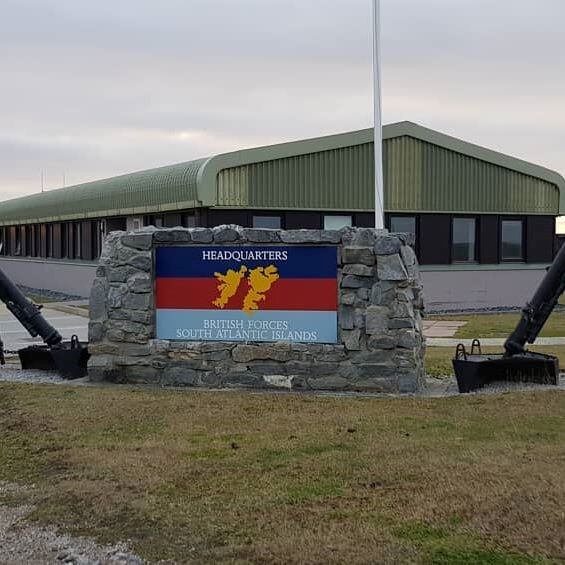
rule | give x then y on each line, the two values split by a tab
24	543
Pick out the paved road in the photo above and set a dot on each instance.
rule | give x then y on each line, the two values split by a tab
16	337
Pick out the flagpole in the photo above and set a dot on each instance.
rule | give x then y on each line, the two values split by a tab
378	124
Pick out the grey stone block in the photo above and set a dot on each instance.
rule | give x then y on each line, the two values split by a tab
141	317
244	380
348	299
363	237
137	301
382	342
364	371
95	332
376	320
331	354
142	375
305	369
359	270
382	293
226	234
180	376
359	318
407	238
400	323
140	284
408	382
387	245
141	263
359	255
266	368
351	340
209	379
328	383
378	356
391	268
301	236
408	256
255	235
364	294
140	241
401	310
353	281
346	317
407	339
261	352
201	235
330	236
176	235
116	296
97	304
120	274
377	385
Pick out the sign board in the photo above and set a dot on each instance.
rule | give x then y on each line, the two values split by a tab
251	293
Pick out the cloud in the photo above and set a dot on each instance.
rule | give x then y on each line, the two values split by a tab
93	89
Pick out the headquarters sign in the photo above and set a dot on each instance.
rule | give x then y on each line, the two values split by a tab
247	293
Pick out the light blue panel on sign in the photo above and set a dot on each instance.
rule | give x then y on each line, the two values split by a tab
235	325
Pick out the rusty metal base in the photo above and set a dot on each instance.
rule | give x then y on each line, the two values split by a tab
475	370
69	359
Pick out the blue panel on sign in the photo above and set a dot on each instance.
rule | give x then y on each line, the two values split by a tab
207	325
202	262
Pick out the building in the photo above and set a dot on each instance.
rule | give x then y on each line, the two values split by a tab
484	222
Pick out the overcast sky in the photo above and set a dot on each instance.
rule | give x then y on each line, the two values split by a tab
93	89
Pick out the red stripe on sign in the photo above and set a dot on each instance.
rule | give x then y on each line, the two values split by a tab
289	294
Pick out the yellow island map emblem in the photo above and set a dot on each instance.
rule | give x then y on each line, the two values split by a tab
259	280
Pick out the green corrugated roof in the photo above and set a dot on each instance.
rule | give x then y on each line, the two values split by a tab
173	187
332	172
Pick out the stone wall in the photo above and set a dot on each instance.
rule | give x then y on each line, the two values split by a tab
380	347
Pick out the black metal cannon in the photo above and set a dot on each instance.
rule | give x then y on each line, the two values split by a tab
474	370
68	358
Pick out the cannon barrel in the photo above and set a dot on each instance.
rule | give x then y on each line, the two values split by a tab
27	313
538	310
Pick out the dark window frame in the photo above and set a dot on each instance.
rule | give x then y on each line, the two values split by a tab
254	215
476	251
337	215
388	225
522	220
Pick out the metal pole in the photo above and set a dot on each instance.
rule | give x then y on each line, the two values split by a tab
378	124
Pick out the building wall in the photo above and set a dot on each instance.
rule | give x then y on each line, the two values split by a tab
63	276
480	289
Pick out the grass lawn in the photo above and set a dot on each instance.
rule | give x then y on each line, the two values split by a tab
438	359
227	477
501	325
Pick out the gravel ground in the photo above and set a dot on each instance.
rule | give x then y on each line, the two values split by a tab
24	543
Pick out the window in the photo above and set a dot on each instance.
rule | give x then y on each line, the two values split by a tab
267	222
337	222
512	240
403	224
77	241
189	220
463	240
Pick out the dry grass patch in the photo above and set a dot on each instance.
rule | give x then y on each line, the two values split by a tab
501	324
212	477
